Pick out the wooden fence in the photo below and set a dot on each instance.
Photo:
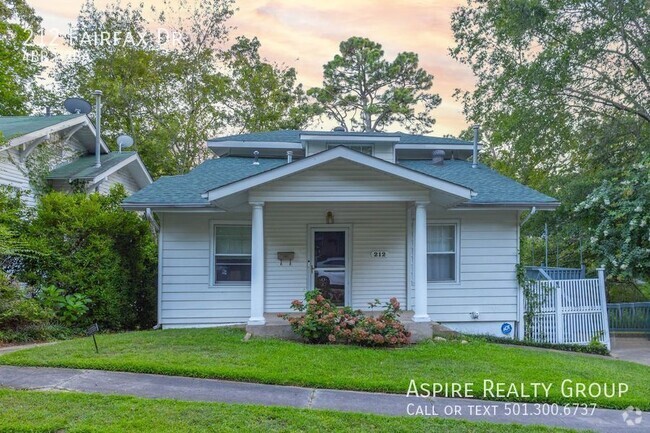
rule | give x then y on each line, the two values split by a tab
567	311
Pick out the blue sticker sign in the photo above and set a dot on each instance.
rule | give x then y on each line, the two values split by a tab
506	328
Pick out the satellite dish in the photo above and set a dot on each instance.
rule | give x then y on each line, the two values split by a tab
124	141
77	106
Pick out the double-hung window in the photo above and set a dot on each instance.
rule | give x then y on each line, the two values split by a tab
441	253
232	253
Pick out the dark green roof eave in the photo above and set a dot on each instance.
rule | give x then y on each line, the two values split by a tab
293	136
83	168
493	189
17	126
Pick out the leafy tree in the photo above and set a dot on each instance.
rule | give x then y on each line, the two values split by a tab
20	58
617	215
161	88
552	76
262	96
561	95
364	91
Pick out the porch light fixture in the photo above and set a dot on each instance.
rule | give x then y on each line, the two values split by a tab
329	217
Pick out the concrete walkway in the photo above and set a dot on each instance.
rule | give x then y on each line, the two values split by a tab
183	388
635	349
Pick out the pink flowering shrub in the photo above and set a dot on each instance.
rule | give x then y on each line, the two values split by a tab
323	322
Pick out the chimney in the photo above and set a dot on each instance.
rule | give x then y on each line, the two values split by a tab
289	156
256	154
438	157
475	152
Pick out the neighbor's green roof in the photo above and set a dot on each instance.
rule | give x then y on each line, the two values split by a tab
84	167
293	136
187	190
15	126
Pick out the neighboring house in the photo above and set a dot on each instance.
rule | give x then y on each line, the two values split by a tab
359	215
38	152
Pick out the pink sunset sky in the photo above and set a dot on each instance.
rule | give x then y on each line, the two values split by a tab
306	34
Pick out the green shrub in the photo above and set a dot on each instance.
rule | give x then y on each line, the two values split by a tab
323	322
21	316
95	250
68	309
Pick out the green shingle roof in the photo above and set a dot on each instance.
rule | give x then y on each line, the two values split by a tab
187	190
293	136
15	126
490	186
84	167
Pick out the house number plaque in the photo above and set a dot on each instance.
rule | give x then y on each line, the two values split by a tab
378	254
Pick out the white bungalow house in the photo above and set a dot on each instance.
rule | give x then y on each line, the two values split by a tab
358	215
59	152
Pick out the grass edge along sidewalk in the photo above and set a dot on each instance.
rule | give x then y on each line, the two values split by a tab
71	411
220	353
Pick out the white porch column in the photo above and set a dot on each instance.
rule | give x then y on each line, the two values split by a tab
257	265
420	263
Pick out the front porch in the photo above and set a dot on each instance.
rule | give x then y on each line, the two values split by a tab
353	252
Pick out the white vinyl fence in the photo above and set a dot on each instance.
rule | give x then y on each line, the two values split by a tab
567	311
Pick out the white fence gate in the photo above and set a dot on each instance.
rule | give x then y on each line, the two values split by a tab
567	311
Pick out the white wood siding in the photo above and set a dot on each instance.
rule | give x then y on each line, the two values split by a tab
11	175
188	298
488	255
488	258
13	170
340	181
374	226
122	176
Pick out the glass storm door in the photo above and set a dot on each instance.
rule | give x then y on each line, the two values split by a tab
329	264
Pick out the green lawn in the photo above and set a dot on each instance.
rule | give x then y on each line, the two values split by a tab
73	412
221	353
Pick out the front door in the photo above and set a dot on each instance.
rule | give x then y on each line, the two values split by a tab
329	263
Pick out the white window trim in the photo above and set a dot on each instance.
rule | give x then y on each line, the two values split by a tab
213	224
456	224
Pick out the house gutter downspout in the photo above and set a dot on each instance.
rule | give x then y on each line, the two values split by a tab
149	214
533	211
157	233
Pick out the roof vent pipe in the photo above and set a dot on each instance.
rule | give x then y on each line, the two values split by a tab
475	150
289	156
438	157
256	154
98	120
